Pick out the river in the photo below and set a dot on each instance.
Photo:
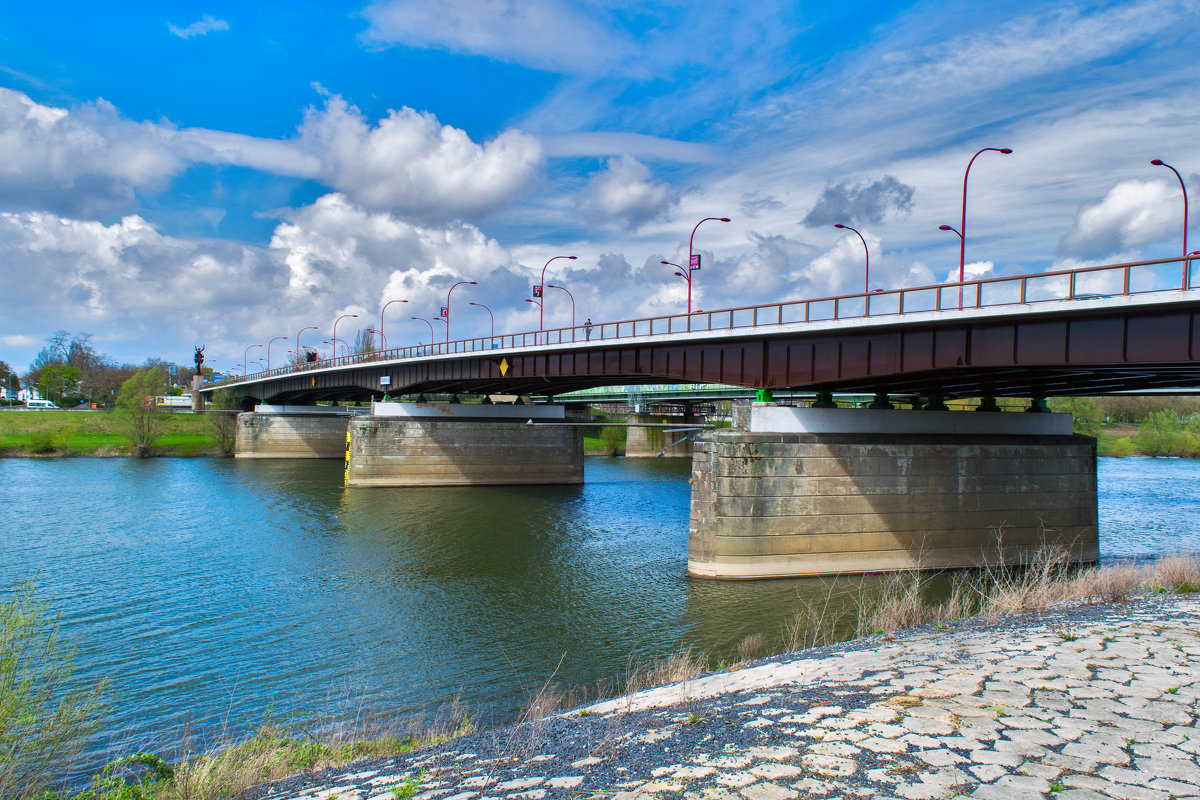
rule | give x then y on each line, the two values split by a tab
211	592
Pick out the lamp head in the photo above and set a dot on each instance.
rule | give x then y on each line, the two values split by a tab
1006	150
945	228
1157	162
572	257
838	225
473	283
725	219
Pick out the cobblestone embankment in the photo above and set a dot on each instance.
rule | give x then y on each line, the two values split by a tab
1084	702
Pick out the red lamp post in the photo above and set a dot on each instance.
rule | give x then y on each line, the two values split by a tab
246	355
382	338
542	283
694	261
962	228
552	286
335	339
866	251
276	339
490	315
1158	162
427	322
299	352
385	305
447	319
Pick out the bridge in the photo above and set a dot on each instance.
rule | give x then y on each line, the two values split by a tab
788	491
1082	331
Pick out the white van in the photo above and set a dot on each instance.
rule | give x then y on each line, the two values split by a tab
40	404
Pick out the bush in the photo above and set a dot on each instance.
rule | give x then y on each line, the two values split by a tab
42	441
45	717
614	440
221	415
139	414
1121	448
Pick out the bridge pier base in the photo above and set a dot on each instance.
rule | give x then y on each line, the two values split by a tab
802	492
291	432
651	442
431	444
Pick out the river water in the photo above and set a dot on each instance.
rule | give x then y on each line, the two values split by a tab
211	592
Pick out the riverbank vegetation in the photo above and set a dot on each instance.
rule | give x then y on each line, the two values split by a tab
98	433
851	608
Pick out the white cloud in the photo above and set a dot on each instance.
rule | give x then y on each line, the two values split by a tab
411	164
623	193
1132	214
88	160
204	26
606	143
544	34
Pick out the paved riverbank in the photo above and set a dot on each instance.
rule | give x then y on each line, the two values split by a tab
1082	702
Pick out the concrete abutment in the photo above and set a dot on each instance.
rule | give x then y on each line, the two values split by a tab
292	432
660	442
802	492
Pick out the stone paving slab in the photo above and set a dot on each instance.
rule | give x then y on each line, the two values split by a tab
1081	702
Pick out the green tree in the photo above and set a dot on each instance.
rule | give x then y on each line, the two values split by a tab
1157	434
45	716
221	414
139	414
1086	415
57	381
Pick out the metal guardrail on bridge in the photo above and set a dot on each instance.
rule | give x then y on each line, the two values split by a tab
1081	283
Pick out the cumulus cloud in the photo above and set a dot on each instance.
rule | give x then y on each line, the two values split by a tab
203	27
88	161
849	202
411	164
755	204
623	193
838	270
544	34
1133	213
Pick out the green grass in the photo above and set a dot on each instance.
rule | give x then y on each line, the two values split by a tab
92	432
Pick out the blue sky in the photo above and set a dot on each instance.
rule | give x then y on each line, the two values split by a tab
225	173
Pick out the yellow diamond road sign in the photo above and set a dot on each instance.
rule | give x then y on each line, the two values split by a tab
504	366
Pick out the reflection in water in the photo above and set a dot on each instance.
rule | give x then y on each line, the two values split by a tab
210	591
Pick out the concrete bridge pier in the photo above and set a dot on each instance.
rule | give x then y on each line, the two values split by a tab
282	431
794	492
655	442
450	444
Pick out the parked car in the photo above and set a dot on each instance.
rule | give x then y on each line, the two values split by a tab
40	404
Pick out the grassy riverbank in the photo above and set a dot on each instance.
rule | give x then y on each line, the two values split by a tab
97	433
906	600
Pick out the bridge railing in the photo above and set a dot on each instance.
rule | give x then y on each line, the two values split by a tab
1081	283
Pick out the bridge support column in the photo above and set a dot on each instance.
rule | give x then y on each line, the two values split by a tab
431	444
292	432
650	442
803	492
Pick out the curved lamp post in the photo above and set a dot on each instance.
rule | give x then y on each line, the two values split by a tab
382	338
1158	162
490	315
427	322
385	305
867	254
276	339
246	355
694	261
447	319
335	339
565	289
962	228
299	352
680	271
542	283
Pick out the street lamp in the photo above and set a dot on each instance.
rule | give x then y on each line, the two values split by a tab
490	315
385	305
694	260
447	314
962	228
382	338
276	339
246	355
299	352
427	322
542	283
335	339
1158	162
866	251
552	286
952	230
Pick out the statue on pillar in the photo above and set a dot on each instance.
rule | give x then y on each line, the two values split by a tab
200	360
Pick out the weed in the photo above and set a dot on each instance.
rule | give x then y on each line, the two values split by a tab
1110	638
1055	786
1173	690
1067	636
1187	587
409	788
692	719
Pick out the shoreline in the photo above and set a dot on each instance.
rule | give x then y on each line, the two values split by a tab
1091	699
